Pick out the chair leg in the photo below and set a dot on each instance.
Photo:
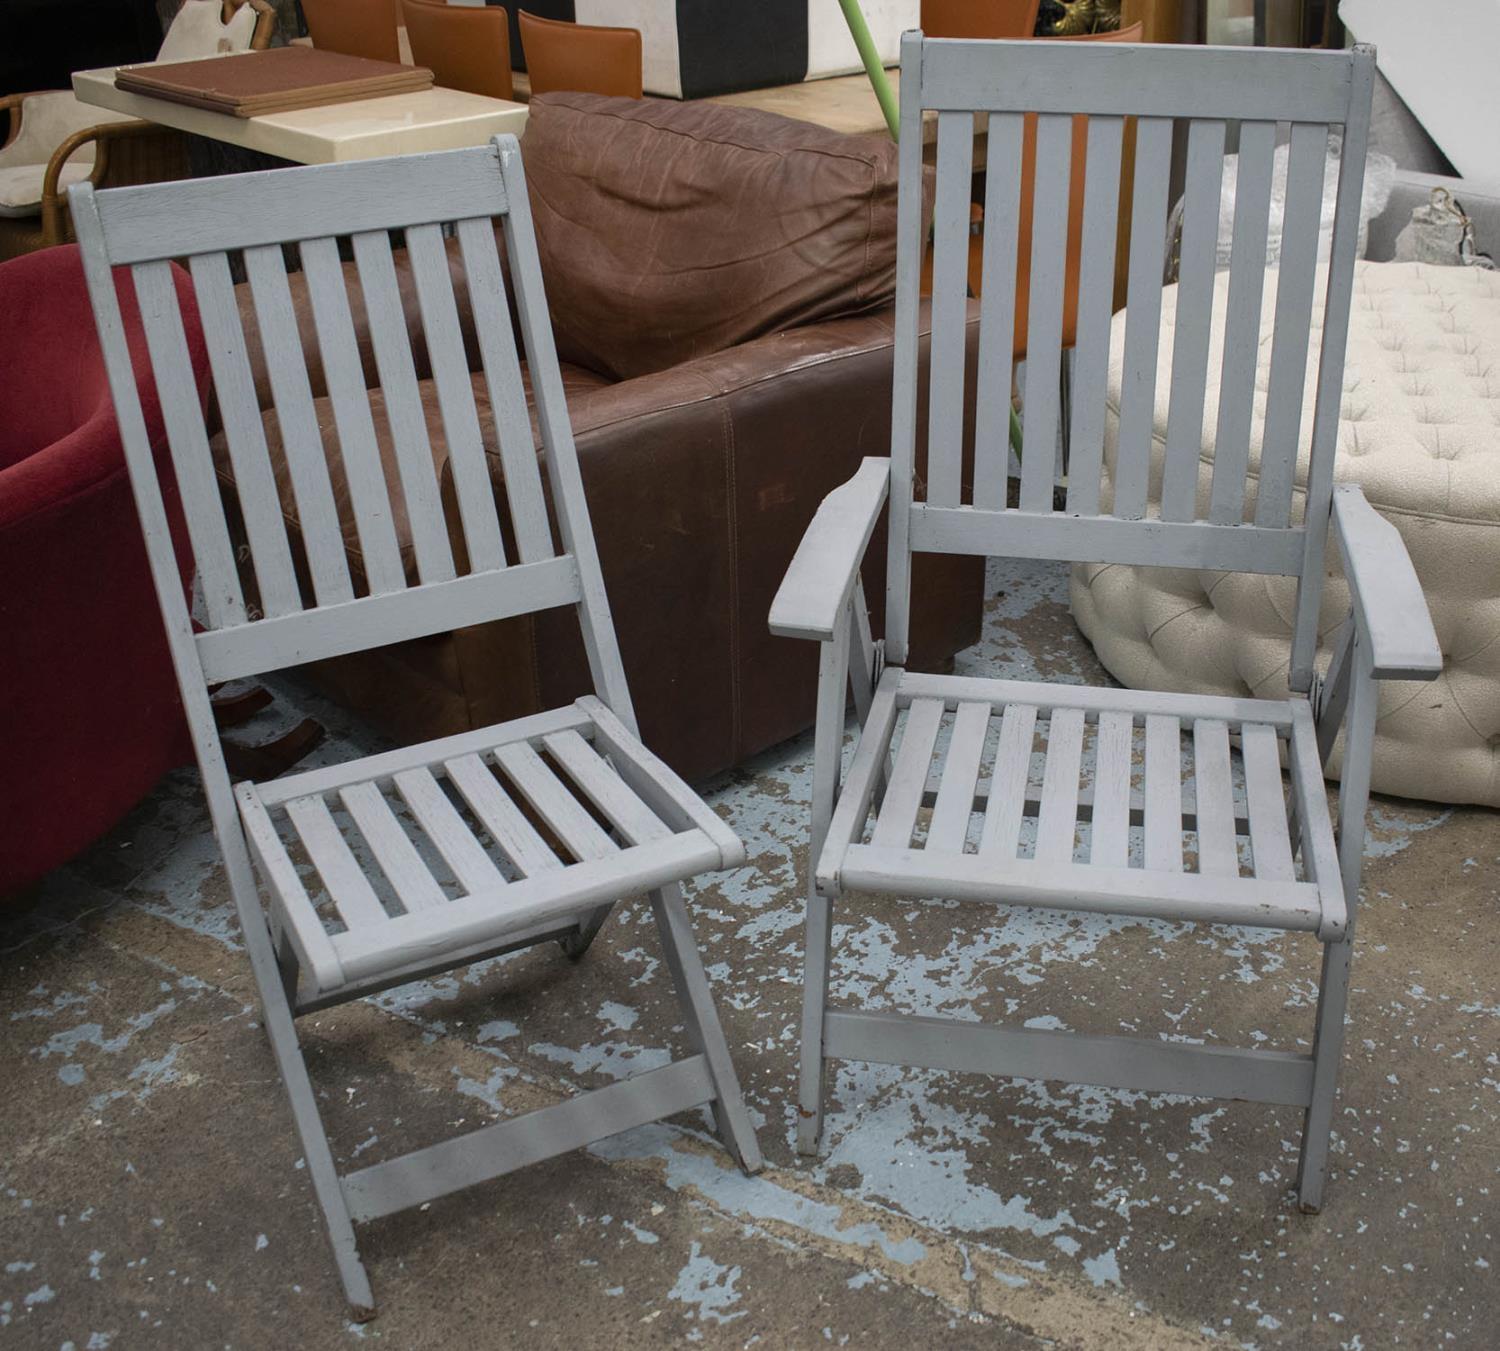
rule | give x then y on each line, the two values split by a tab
582	938
703	1027
1328	1049
814	998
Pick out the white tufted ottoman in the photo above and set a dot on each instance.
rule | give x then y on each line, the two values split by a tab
1420	431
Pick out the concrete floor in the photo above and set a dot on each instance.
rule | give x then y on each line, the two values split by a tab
151	1191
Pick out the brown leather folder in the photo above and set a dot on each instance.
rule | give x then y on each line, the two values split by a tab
249	84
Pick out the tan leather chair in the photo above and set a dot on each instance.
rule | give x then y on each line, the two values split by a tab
465	47
580	58
979	18
355	27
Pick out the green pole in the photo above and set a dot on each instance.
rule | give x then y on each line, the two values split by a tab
860	30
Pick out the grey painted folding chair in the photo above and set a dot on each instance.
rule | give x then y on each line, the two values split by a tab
1064	837
481	843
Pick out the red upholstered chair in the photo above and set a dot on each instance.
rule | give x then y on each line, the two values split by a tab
89	714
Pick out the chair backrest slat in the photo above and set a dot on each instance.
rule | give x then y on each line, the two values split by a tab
1096	277
1289	347
344	466
223	598
302	444
445	348
1153	165
950	261
1247	272
1145	482
1044	321
1195	301
229	361
502	373
403	405
997	307
359	453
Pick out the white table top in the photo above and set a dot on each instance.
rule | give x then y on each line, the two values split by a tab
400	124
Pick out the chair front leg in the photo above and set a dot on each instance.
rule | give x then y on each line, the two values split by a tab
1351	679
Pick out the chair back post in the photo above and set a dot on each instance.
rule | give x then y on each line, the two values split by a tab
1192	502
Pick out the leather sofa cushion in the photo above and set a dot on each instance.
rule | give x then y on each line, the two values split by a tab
671	230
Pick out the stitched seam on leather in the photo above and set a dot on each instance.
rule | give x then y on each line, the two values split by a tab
860	292
732	522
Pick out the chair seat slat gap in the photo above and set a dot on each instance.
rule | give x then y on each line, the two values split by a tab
353	896
903	794
1194	321
1270	840
1247	271
1163	789
399	860
950	263
1096	275
960	775
343	374
1109	831
513	834
1057	817
450	373
1004	812
301	437
1148	214
1295	293
446	829
1213	799
245	435
192	462
403	405
553	803
997	309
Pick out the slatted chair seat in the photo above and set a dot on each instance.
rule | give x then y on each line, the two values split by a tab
412	857
1011	791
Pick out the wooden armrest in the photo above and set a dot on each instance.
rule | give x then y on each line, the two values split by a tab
1389	606
818	583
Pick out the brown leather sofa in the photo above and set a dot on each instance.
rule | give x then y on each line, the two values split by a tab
720	283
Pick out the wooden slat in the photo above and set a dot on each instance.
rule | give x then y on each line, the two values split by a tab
605	788
502	374
1163	788
343	375
1057	819
1123	78
1247	270
403	406
515	836
1006	807
245	435
1049	246
1213	799
898	813
1294	300
1148	215
414	885
950	263
301	438
1096	273
172	220
1270	842
1195	299
997	309
865	769
447	830
374	621
553	803
352	894
1320	856
1103	539
450	373
192	462
1109	845
955	797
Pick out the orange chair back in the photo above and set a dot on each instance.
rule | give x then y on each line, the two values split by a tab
466	47
580	57
355	27
979	18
